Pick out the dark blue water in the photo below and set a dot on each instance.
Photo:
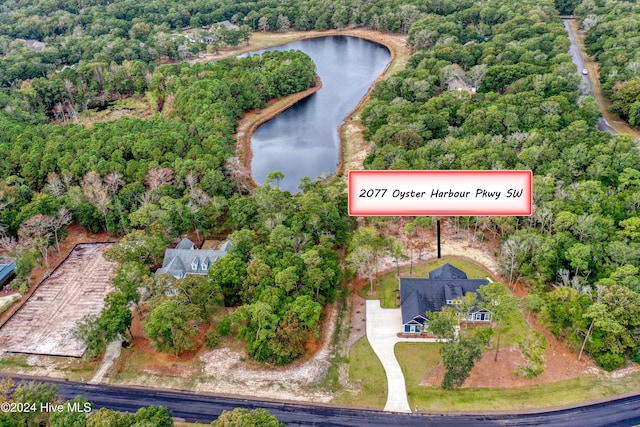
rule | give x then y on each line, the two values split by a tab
303	140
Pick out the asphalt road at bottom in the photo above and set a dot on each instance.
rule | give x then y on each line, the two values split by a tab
623	411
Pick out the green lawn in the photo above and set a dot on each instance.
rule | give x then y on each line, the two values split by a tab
367	376
514	330
519	398
417	359
386	290
13	361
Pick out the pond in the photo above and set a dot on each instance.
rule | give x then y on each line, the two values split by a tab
303	140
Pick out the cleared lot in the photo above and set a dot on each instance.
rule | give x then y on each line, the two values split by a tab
75	289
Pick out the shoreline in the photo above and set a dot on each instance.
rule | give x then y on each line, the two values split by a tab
254	118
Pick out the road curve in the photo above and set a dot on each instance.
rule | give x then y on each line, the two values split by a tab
624	411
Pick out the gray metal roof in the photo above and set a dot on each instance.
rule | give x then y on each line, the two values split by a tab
419	295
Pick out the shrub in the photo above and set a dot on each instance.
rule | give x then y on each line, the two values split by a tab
212	339
24	287
532	348
609	361
224	326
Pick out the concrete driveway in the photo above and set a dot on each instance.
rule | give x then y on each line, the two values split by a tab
383	325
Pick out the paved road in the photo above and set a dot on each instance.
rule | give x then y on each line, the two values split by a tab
575	55
205	408
577	59
602	125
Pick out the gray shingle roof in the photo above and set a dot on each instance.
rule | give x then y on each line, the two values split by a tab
419	295
447	271
186	244
181	261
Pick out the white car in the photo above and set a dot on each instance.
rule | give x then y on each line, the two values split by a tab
584	72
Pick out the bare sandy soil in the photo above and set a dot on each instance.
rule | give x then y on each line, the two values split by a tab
75	234
560	364
76	288
454	243
42	366
226	372
254	118
228	369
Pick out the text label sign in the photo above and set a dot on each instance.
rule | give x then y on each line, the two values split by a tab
441	193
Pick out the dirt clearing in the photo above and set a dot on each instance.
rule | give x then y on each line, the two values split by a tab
560	364
228	369
75	289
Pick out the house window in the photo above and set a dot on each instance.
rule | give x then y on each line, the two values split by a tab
204	266
411	329
482	316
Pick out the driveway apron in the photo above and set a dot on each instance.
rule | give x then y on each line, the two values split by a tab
382	329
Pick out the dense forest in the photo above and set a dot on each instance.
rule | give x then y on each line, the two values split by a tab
613	37
523	110
105	32
101	173
491	86
169	175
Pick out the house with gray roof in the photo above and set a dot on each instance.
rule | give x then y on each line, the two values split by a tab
34	45
186	259
421	295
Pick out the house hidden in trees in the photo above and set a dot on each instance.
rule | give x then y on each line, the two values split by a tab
460	85
441	288
186	259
